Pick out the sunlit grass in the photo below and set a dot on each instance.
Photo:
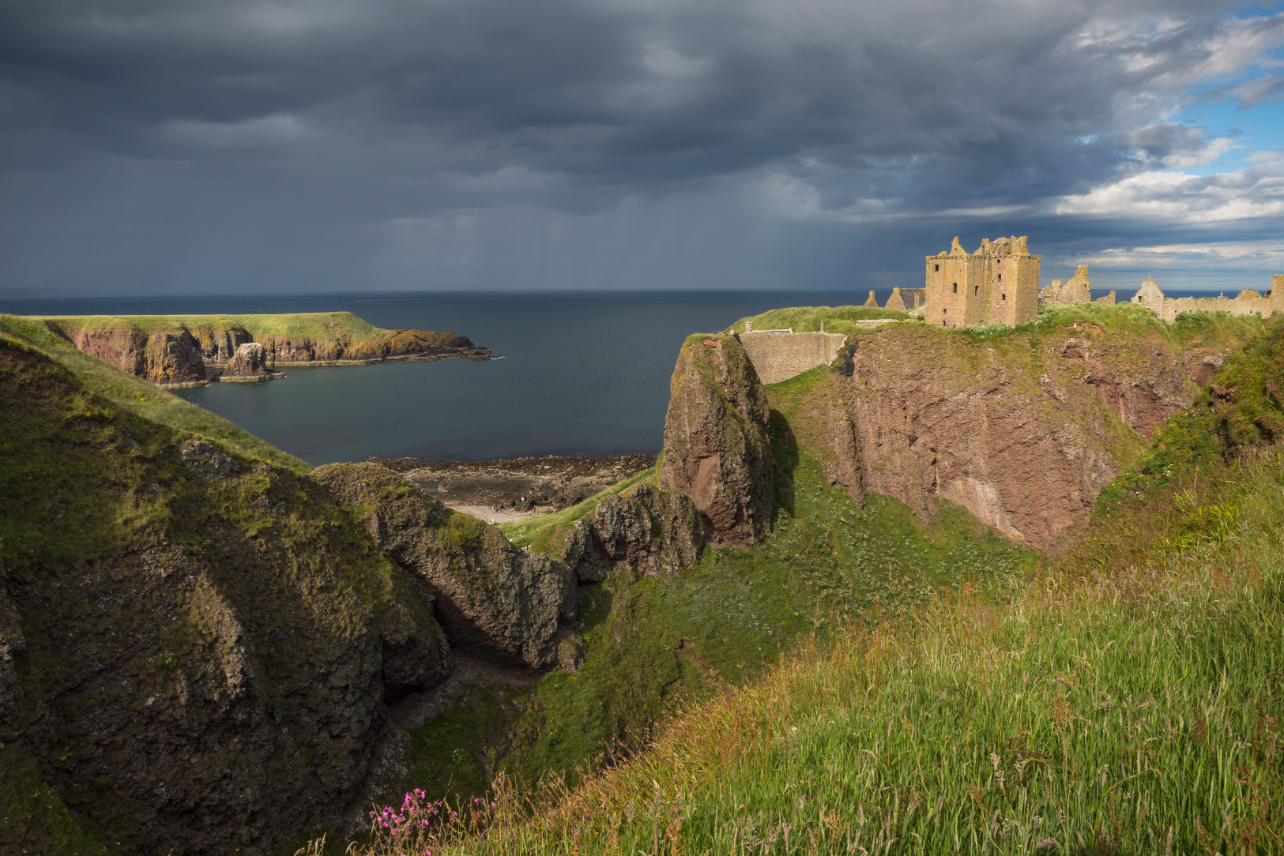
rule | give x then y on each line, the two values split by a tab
1135	708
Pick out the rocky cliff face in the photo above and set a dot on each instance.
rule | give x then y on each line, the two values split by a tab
490	596
180	349
249	361
166	359
219	346
652	533
1023	431
715	440
195	647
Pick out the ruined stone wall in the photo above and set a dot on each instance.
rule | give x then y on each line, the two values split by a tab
780	356
1247	302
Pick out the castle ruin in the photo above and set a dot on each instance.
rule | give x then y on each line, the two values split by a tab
999	283
1247	302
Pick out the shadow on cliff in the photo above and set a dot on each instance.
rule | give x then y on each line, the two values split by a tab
784	450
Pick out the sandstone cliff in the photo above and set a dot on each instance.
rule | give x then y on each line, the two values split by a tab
176	350
715	440
204	643
168	359
491	596
1023	430
248	363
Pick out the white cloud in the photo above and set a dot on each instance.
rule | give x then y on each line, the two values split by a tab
1174	197
1264	254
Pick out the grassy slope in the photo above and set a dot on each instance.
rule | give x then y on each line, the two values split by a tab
89	474
656	646
309	325
1129	699
808	319
140	397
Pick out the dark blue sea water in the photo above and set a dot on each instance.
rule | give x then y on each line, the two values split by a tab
580	373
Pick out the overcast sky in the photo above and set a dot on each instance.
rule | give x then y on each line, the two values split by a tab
234	146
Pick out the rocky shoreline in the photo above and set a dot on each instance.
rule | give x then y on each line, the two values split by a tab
524	484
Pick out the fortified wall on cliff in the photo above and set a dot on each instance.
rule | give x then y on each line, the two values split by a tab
778	355
1247	302
999	282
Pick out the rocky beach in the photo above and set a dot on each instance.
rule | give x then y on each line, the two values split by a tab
507	488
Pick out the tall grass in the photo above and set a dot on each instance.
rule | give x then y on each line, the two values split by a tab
1118	707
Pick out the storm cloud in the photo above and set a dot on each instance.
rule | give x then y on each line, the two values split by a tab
339	145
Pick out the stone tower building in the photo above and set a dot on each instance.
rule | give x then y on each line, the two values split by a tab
999	282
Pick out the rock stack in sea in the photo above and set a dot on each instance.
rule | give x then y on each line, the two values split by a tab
249	363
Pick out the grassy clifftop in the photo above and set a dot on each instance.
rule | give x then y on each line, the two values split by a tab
301	325
139	397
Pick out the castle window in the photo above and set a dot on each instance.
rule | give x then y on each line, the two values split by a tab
938	268
956	288
1005	298
1000	277
976	289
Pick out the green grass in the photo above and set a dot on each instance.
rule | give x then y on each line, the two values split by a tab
1243	410
657	646
140	397
1125	698
808	319
537	531
1136	708
1130	319
300	325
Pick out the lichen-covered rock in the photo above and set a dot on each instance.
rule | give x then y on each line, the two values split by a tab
491	596
716	448
250	360
206	461
652	533
167	359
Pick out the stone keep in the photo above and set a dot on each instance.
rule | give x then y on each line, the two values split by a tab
999	282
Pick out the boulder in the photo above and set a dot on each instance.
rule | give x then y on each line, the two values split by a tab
716	449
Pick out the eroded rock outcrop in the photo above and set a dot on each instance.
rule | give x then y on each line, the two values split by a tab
652	533
1022	431
176	350
166	359
250	362
491	595
716	448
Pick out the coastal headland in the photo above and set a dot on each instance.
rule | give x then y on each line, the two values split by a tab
175	351
195	625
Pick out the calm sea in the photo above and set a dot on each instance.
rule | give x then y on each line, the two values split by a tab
580	373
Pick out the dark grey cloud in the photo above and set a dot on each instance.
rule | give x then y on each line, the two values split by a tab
155	145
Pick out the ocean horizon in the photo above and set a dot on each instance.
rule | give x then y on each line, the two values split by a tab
581	373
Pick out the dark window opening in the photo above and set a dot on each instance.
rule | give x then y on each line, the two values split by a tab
1000	277
1005	298
976	289
956	288
938	268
